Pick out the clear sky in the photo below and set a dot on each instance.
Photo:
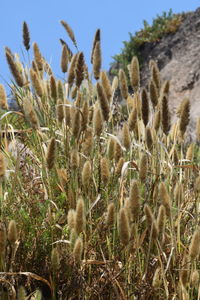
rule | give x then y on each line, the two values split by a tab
115	18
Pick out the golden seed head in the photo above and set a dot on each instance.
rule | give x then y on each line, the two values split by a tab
165	198
78	250
184	117
126	136
12	232
124	229
194	248
161	219
105	172
64	59
86	173
80	216
55	259
71	72
155	74
149	138
69	31
156	120
119	166
75	159
110	218
36	83
79	69
51	154
60	90
59	111
151	223
103	102
3	98
184	274
143	167
134	199
71	217
117	151
38	57
31	114
134	72
14	68
123	84
97	38
97	122
85	115
53	87
111	148
153	93
132	120
106	85
76	123
97	60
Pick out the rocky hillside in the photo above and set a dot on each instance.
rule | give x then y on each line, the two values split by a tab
178	58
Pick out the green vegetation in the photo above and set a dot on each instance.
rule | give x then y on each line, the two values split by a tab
97	201
161	25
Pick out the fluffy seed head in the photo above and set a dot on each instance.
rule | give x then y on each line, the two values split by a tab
36	83
75	159
110	218
12	232
145	106
71	216
53	87
149	138
80	216
117	151
38	57
30	114
165	115
97	60
119	166
156	121
97	122
134	72
161	218
111	148
105	172
79	70
126	136
184	117
155	74
97	38
78	250
124	229
106	85
3	238
194	248
165	198
143	167
71	72
85	115
69	31
26	36
59	111
151	223
76	124
132	120
51	154
123	84
86	173
153	93
134	199
14	69
103	102
64	59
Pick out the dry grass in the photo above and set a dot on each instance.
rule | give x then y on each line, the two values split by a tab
97	200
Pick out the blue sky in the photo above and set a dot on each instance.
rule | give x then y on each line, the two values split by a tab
115	18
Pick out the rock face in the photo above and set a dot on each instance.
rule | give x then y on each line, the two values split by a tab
178	58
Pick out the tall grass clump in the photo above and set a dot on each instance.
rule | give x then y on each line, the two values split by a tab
97	201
